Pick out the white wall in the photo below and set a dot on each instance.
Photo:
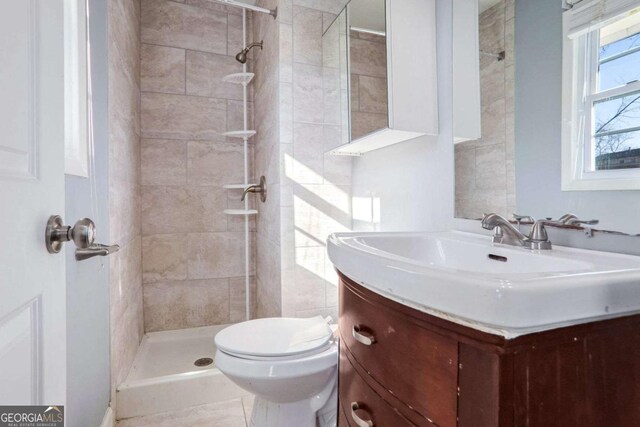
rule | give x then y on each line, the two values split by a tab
538	128
410	186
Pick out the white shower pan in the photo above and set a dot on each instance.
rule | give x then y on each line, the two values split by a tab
163	376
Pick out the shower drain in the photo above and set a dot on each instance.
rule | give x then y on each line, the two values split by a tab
203	361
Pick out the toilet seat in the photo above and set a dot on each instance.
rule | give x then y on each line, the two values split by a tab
275	338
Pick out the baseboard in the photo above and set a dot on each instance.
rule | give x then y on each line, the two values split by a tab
109	419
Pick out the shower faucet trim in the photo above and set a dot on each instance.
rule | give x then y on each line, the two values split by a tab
259	188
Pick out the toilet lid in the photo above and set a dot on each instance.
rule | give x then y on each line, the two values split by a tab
274	337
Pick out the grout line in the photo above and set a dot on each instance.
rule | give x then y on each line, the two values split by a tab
185	48
191	96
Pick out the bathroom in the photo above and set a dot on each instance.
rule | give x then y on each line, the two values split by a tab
321	213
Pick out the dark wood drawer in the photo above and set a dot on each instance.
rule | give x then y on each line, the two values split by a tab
417	366
353	390
342	418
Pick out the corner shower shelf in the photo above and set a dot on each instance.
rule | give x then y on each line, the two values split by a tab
238	78
240	211
244	134
237	186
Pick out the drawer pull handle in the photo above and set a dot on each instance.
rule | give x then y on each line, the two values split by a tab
359	421
362	337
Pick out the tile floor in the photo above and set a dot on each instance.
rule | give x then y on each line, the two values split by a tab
232	413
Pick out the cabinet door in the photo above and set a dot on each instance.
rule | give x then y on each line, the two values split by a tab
418	366
362	404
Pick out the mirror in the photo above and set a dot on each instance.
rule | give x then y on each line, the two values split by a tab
368	57
356	44
368	66
560	114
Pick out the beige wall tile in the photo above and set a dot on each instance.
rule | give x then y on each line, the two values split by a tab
491	168
485	173
162	69
307	36
268	281
178	209
178	25
368	58
237	302
205	72
465	171
320	210
164	257
186	304
235	118
354	90
373	94
332	6
183	117
308	153
234	36
125	275
236	222
164	162
331	44
364	123
332	93
286	53
124	179
310	283
286	113
215	255
214	163
308	94
125	338
327	20
214	5
493	123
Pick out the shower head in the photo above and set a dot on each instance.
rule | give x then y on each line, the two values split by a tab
242	56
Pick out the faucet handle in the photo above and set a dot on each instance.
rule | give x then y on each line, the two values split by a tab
571	219
538	237
520	218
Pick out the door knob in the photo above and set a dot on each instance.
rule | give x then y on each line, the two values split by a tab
82	234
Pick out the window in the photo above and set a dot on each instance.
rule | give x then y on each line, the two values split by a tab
601	96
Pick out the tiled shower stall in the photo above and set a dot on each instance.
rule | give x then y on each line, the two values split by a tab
182	259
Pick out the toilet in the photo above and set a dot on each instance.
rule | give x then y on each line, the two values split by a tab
289	364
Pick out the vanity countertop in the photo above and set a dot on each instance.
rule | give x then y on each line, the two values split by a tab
504	290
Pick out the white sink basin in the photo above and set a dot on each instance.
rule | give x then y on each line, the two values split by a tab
465	278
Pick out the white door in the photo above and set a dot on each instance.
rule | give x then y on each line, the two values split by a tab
32	282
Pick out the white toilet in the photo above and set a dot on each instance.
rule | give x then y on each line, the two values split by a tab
290	365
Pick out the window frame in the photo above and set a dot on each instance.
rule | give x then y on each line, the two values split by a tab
577	117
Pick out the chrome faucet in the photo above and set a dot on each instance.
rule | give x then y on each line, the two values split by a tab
504	231
259	188
538	239
506	234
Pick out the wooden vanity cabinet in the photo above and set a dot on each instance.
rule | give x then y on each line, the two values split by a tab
402	367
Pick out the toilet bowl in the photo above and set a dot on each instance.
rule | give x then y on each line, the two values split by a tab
290	365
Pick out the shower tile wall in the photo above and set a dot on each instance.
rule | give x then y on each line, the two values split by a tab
368	54
298	120
267	155
125	275
192	253
485	169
